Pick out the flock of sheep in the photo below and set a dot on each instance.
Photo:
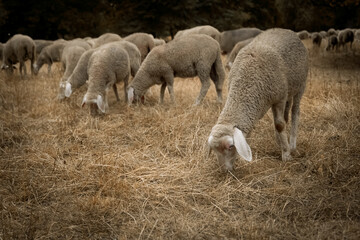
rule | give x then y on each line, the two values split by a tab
268	69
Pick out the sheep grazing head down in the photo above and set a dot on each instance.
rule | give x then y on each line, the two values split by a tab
133	97
95	103
65	90
226	141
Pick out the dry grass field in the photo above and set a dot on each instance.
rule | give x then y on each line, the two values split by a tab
142	172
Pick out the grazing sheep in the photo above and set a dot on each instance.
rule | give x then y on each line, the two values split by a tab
71	55
332	43
144	42
231	37
49	55
331	32
235	51
80	73
303	35
40	44
19	48
346	36
270	72
323	34
357	34
316	39
190	56
108	65
205	29
105	38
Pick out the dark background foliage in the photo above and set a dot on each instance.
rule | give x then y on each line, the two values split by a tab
43	19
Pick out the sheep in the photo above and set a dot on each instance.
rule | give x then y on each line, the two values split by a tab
80	73
332	43
71	55
49	55
346	36
235	51
104	38
108	65
331	32
19	48
204	29
231	37
357	34
40	44
323	34
190	56
270	72
303	34
316	39
144	42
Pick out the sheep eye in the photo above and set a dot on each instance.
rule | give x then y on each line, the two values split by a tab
231	147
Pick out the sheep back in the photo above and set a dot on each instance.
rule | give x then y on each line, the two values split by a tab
105	38
143	41
231	37
204	29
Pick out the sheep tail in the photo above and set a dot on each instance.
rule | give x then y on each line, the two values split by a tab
217	73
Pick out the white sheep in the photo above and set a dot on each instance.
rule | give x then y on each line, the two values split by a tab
103	39
204	29
190	56
49	55
346	36
270	72
159	41
108	65
303	35
231	57
144	42
71	55
80	73
19	48
231	37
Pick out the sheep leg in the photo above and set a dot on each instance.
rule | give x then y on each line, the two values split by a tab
22	67
126	82
169	80
287	108
295	112
205	84
280	129
116	92
162	92
49	69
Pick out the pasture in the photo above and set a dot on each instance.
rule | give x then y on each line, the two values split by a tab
142	172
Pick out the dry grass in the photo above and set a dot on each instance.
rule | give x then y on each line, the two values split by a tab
141	172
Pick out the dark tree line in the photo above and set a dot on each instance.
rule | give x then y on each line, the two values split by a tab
43	19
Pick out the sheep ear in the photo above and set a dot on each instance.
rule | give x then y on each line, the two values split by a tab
84	101
130	95
68	90
241	145
100	103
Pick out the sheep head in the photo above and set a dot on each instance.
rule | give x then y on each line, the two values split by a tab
226	141
133	97
95	103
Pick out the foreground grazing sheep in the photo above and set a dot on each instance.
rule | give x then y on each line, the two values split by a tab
144	42
205	29
105	38
71	55
231	37
80	73
108	65
49	55
190	56
270	72
235	51
19	48
346	36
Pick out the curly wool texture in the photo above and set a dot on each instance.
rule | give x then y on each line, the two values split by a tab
273	67
190	56
19	48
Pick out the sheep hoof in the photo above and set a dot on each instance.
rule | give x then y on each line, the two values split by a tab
286	156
